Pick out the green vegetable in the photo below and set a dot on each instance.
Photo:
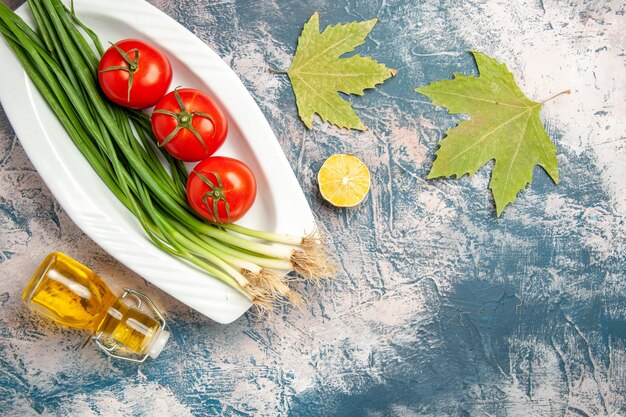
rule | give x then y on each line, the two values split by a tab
317	72
119	145
505	126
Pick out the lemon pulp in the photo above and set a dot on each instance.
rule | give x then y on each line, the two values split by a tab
344	180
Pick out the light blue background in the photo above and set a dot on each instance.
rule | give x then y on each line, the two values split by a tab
439	308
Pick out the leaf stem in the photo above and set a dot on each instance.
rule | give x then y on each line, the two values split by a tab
275	71
556	95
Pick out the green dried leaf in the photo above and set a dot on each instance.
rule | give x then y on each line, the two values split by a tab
317	72
504	125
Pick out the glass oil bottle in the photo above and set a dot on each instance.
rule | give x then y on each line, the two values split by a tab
73	295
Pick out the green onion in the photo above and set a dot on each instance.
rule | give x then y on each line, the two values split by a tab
121	148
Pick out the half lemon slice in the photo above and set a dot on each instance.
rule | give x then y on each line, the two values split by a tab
344	180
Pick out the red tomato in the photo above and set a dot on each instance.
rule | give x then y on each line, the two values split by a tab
134	74
189	124
221	189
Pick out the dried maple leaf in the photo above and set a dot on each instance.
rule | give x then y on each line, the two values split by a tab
317	72
504	125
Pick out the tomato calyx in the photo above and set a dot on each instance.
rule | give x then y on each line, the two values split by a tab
131	67
184	120
216	193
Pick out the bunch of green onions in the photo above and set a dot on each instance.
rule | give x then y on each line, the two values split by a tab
120	146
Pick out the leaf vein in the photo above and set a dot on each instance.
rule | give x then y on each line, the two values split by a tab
316	93
507	88
497	103
519	145
338	74
325	50
479	141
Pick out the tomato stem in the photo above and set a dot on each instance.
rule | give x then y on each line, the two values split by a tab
184	120
216	193
131	67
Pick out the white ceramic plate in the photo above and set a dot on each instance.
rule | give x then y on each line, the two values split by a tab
280	205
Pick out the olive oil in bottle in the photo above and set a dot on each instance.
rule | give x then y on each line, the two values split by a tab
73	295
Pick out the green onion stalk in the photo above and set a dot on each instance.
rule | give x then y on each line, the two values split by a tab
121	147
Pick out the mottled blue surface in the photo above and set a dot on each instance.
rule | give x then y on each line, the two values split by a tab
439	308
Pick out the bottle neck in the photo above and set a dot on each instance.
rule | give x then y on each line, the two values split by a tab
129	327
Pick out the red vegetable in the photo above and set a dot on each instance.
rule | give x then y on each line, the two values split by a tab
221	189
134	74
189	124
